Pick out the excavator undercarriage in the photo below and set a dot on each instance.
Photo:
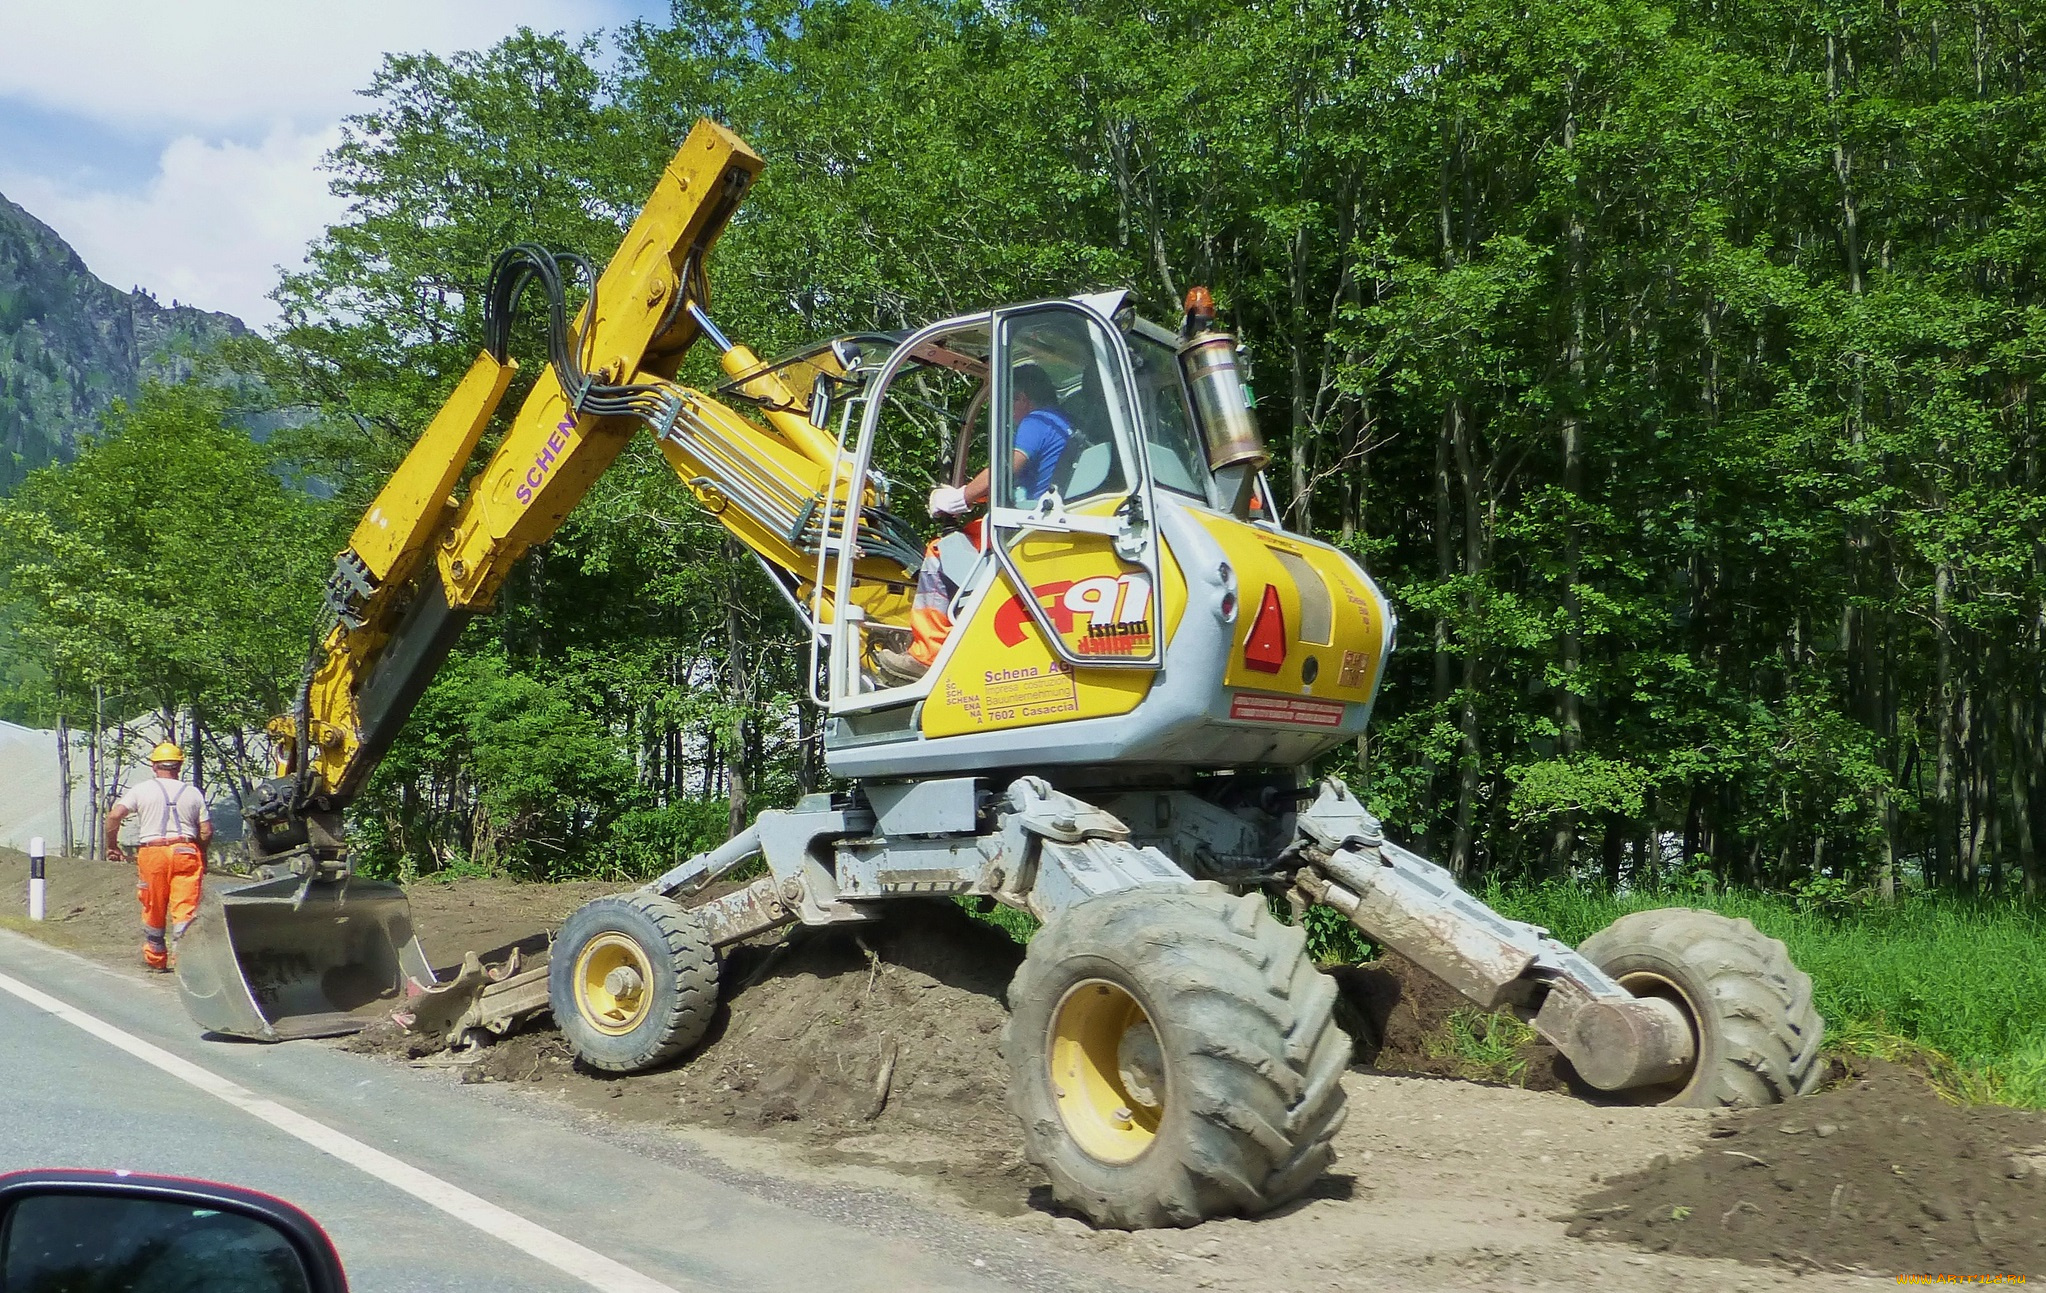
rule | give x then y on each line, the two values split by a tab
1110	728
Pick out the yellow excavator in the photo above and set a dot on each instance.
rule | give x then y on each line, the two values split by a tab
1122	669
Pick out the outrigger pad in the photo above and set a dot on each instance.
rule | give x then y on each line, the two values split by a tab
282	959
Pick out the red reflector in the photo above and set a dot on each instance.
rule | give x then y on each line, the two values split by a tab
1265	649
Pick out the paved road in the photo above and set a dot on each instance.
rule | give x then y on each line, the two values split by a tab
650	1202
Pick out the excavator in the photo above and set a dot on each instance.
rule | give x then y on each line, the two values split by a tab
1114	735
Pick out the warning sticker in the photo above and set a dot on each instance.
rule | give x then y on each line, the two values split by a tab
1296	710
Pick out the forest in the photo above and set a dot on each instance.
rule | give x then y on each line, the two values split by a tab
1671	366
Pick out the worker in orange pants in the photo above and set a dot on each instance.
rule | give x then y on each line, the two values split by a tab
174	830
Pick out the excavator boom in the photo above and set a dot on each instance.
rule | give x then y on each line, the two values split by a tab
303	950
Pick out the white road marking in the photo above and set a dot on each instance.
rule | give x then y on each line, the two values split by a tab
565	1255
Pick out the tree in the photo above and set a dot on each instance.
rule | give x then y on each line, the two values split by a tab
170	566
1673	366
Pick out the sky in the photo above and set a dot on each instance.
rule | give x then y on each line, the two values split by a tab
175	144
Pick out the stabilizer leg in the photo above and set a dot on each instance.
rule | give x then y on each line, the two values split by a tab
1614	1039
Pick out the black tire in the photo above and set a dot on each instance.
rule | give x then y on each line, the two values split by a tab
677	996
1245	1034
1751	1010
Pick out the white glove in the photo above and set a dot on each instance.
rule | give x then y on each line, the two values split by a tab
948	500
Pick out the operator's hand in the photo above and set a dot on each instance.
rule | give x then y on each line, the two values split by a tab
948	500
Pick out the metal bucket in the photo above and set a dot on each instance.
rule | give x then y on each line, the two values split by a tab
282	959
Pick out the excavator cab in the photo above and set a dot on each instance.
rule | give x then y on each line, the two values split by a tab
1069	519
1131	601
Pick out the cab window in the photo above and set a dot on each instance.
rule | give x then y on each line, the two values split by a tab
1057	434
1177	462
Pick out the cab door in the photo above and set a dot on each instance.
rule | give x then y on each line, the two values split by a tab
1074	627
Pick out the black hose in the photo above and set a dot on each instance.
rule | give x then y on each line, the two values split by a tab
528	263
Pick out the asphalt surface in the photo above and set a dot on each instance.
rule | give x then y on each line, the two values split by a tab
74	1100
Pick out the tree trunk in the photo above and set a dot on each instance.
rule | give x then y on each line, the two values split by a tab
95	774
737	783
1301	447
1569	709
1945	821
1445	568
739	683
1469	748
64	829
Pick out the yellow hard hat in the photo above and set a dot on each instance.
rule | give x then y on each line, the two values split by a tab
167	752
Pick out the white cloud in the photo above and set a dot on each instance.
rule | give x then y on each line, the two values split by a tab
227	65
208	79
211	227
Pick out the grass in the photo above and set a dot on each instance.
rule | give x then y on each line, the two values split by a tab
1486	1046
1953	986
1019	925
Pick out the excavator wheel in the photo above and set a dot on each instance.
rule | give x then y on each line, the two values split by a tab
1173	1056
632	981
1750	1009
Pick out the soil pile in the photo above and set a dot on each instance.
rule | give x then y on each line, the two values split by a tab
875	1043
1877	1174
490	917
1398	1015
90	905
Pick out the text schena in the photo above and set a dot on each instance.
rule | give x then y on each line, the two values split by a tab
545	461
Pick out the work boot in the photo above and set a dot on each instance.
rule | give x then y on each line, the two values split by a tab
898	668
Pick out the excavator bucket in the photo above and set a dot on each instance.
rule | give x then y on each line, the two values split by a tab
295	957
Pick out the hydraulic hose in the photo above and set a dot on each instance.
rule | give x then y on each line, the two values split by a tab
526	264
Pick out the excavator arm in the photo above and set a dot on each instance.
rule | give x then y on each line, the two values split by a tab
304	949
421	563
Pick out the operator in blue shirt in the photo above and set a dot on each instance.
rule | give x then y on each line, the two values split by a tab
1042	433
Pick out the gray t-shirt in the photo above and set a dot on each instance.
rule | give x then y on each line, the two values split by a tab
164	809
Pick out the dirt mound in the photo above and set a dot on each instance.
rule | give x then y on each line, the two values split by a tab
90	905
874	1043
1877	1174
388	1039
489	917
92	909
1401	1019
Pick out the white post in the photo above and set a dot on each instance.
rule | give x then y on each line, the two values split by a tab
35	878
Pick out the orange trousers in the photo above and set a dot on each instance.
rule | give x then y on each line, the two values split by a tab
167	880
930	617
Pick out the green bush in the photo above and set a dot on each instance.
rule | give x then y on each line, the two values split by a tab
500	772
647	841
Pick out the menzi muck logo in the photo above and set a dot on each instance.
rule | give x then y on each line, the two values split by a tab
546	460
1110	613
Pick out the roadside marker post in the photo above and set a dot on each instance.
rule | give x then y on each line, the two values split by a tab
35	878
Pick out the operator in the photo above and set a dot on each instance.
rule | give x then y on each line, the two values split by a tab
1042	432
174	830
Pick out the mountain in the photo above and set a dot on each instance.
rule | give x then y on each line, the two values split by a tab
70	345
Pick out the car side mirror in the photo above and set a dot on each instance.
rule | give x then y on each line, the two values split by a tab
69	1230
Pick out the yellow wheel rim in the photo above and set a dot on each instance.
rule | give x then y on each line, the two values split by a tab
1107	1073
614	983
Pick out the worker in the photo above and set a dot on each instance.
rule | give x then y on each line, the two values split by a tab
1042	433
173	831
